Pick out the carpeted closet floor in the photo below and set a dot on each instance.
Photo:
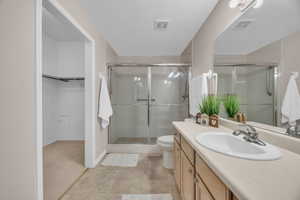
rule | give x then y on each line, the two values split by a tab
63	164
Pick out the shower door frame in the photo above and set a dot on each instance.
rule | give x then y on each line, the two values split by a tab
139	147
275	90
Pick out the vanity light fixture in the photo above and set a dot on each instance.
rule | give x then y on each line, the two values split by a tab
245	4
177	75
171	75
258	4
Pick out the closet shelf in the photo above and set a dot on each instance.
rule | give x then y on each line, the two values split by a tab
64	79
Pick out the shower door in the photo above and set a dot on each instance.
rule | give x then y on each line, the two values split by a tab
169	91
129	96
145	101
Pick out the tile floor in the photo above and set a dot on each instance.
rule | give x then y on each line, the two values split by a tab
109	183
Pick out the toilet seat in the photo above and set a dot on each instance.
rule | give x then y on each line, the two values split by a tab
167	140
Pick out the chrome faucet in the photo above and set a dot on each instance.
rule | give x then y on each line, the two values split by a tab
250	134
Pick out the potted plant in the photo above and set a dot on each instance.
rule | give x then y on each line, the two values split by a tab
211	107
231	105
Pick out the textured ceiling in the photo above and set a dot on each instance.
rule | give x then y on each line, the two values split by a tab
128	24
275	20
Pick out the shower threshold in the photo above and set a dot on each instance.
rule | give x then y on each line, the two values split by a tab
136	140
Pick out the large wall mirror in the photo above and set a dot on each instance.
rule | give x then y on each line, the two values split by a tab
256	57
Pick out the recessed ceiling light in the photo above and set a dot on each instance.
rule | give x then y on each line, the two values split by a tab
243	24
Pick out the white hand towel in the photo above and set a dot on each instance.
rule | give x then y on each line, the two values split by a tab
198	90
104	104
291	103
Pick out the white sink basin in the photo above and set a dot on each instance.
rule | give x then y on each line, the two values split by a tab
237	147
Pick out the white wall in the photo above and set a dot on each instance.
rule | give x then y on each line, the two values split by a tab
70	111
50	102
50	56
63	102
104	54
67	65
58	57
18	170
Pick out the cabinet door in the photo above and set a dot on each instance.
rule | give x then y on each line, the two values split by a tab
187	178
177	164
201	191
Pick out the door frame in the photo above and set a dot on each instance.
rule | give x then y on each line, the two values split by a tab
90	90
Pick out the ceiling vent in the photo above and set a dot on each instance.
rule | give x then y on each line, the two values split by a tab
160	25
241	25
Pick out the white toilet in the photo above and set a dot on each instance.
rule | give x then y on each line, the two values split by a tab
165	143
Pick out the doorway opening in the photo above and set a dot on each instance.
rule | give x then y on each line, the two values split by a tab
65	100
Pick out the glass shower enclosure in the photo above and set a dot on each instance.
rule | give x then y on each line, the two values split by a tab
255	85
145	100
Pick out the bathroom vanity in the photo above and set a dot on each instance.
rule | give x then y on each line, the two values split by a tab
202	174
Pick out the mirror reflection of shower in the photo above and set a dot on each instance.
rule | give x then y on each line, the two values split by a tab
255	87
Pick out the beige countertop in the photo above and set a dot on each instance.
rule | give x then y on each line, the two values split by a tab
248	179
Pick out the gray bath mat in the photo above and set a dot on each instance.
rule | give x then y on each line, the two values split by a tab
147	197
121	160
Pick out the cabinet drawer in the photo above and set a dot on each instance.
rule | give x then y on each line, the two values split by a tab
216	187
188	150
177	137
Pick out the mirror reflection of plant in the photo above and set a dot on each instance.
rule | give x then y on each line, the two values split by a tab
231	105
210	105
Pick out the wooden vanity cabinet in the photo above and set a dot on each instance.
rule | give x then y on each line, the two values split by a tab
194	179
201	193
216	187
187	178
177	165
234	198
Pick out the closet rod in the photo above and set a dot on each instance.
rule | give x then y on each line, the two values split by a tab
63	79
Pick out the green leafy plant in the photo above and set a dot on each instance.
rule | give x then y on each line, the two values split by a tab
232	105
210	105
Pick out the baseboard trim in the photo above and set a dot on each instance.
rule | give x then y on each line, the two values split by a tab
100	158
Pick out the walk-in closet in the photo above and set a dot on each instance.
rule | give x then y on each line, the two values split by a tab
63	104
